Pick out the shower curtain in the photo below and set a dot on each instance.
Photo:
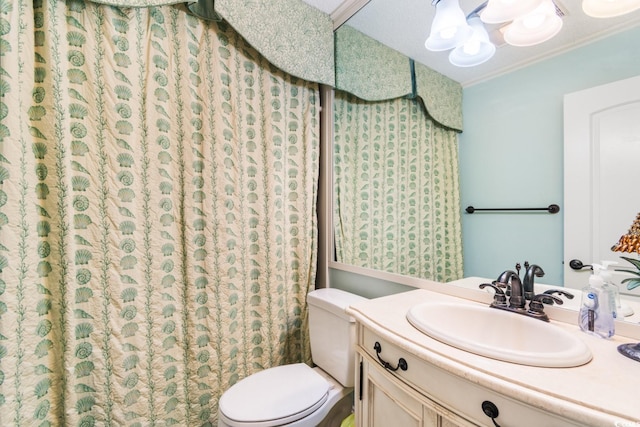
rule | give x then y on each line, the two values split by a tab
157	212
397	196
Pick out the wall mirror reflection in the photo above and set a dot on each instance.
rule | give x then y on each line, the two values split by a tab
396	200
511	145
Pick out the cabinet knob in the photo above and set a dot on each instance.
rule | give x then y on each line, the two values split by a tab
491	410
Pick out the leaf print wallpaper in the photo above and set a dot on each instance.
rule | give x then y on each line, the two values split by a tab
157	213
396	189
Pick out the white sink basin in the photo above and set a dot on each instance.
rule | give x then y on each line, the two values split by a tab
499	334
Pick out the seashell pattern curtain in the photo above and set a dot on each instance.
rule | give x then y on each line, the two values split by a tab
157	214
397	195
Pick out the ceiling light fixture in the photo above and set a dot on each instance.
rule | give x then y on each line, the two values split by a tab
477	49
609	8
535	27
530	22
498	11
533	23
449	27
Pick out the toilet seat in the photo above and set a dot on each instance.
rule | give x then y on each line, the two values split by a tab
274	397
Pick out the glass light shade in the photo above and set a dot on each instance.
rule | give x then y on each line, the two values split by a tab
534	28
498	11
449	27
476	50
609	8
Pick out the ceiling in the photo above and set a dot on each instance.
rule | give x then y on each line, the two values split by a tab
404	25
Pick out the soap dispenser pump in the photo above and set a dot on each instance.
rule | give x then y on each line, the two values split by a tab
596	315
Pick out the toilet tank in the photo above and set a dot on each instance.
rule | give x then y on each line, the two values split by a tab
333	333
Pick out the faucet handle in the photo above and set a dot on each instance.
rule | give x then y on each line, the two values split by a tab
499	298
502	285
547	299
559	292
536	306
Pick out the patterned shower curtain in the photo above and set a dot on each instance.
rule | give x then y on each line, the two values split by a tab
397	198
157	212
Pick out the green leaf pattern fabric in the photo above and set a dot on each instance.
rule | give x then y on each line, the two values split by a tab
157	213
295	36
368	69
371	71
396	201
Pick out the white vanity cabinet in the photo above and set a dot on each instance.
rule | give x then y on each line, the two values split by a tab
385	401
443	386
426	396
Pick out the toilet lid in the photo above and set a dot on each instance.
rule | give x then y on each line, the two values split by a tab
275	396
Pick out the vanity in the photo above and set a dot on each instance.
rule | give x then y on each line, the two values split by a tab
407	378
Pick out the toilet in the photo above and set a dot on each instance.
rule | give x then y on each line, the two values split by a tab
297	395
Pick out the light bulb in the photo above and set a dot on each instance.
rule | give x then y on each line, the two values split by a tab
475	51
448	33
533	20
472	47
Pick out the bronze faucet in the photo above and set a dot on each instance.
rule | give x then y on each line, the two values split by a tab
530	274
511	281
518	294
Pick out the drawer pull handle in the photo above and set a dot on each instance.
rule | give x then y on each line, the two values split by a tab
491	411
402	364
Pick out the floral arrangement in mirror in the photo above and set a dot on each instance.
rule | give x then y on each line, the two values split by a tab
632	282
630	242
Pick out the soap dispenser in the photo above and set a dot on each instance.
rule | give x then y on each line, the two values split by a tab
620	310
610	289
597	308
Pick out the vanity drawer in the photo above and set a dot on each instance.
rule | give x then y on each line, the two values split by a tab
454	393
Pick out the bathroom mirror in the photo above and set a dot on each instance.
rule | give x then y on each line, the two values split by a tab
389	276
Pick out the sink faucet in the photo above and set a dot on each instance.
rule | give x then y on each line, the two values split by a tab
511	279
532	272
519	293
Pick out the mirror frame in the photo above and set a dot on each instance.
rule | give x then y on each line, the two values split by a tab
326	256
326	246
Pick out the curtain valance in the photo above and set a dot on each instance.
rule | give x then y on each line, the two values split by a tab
375	72
292	35
442	96
368	69
299	39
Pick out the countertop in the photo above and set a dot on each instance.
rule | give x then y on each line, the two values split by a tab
603	392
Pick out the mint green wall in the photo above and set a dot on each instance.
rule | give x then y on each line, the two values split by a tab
511	154
368	287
